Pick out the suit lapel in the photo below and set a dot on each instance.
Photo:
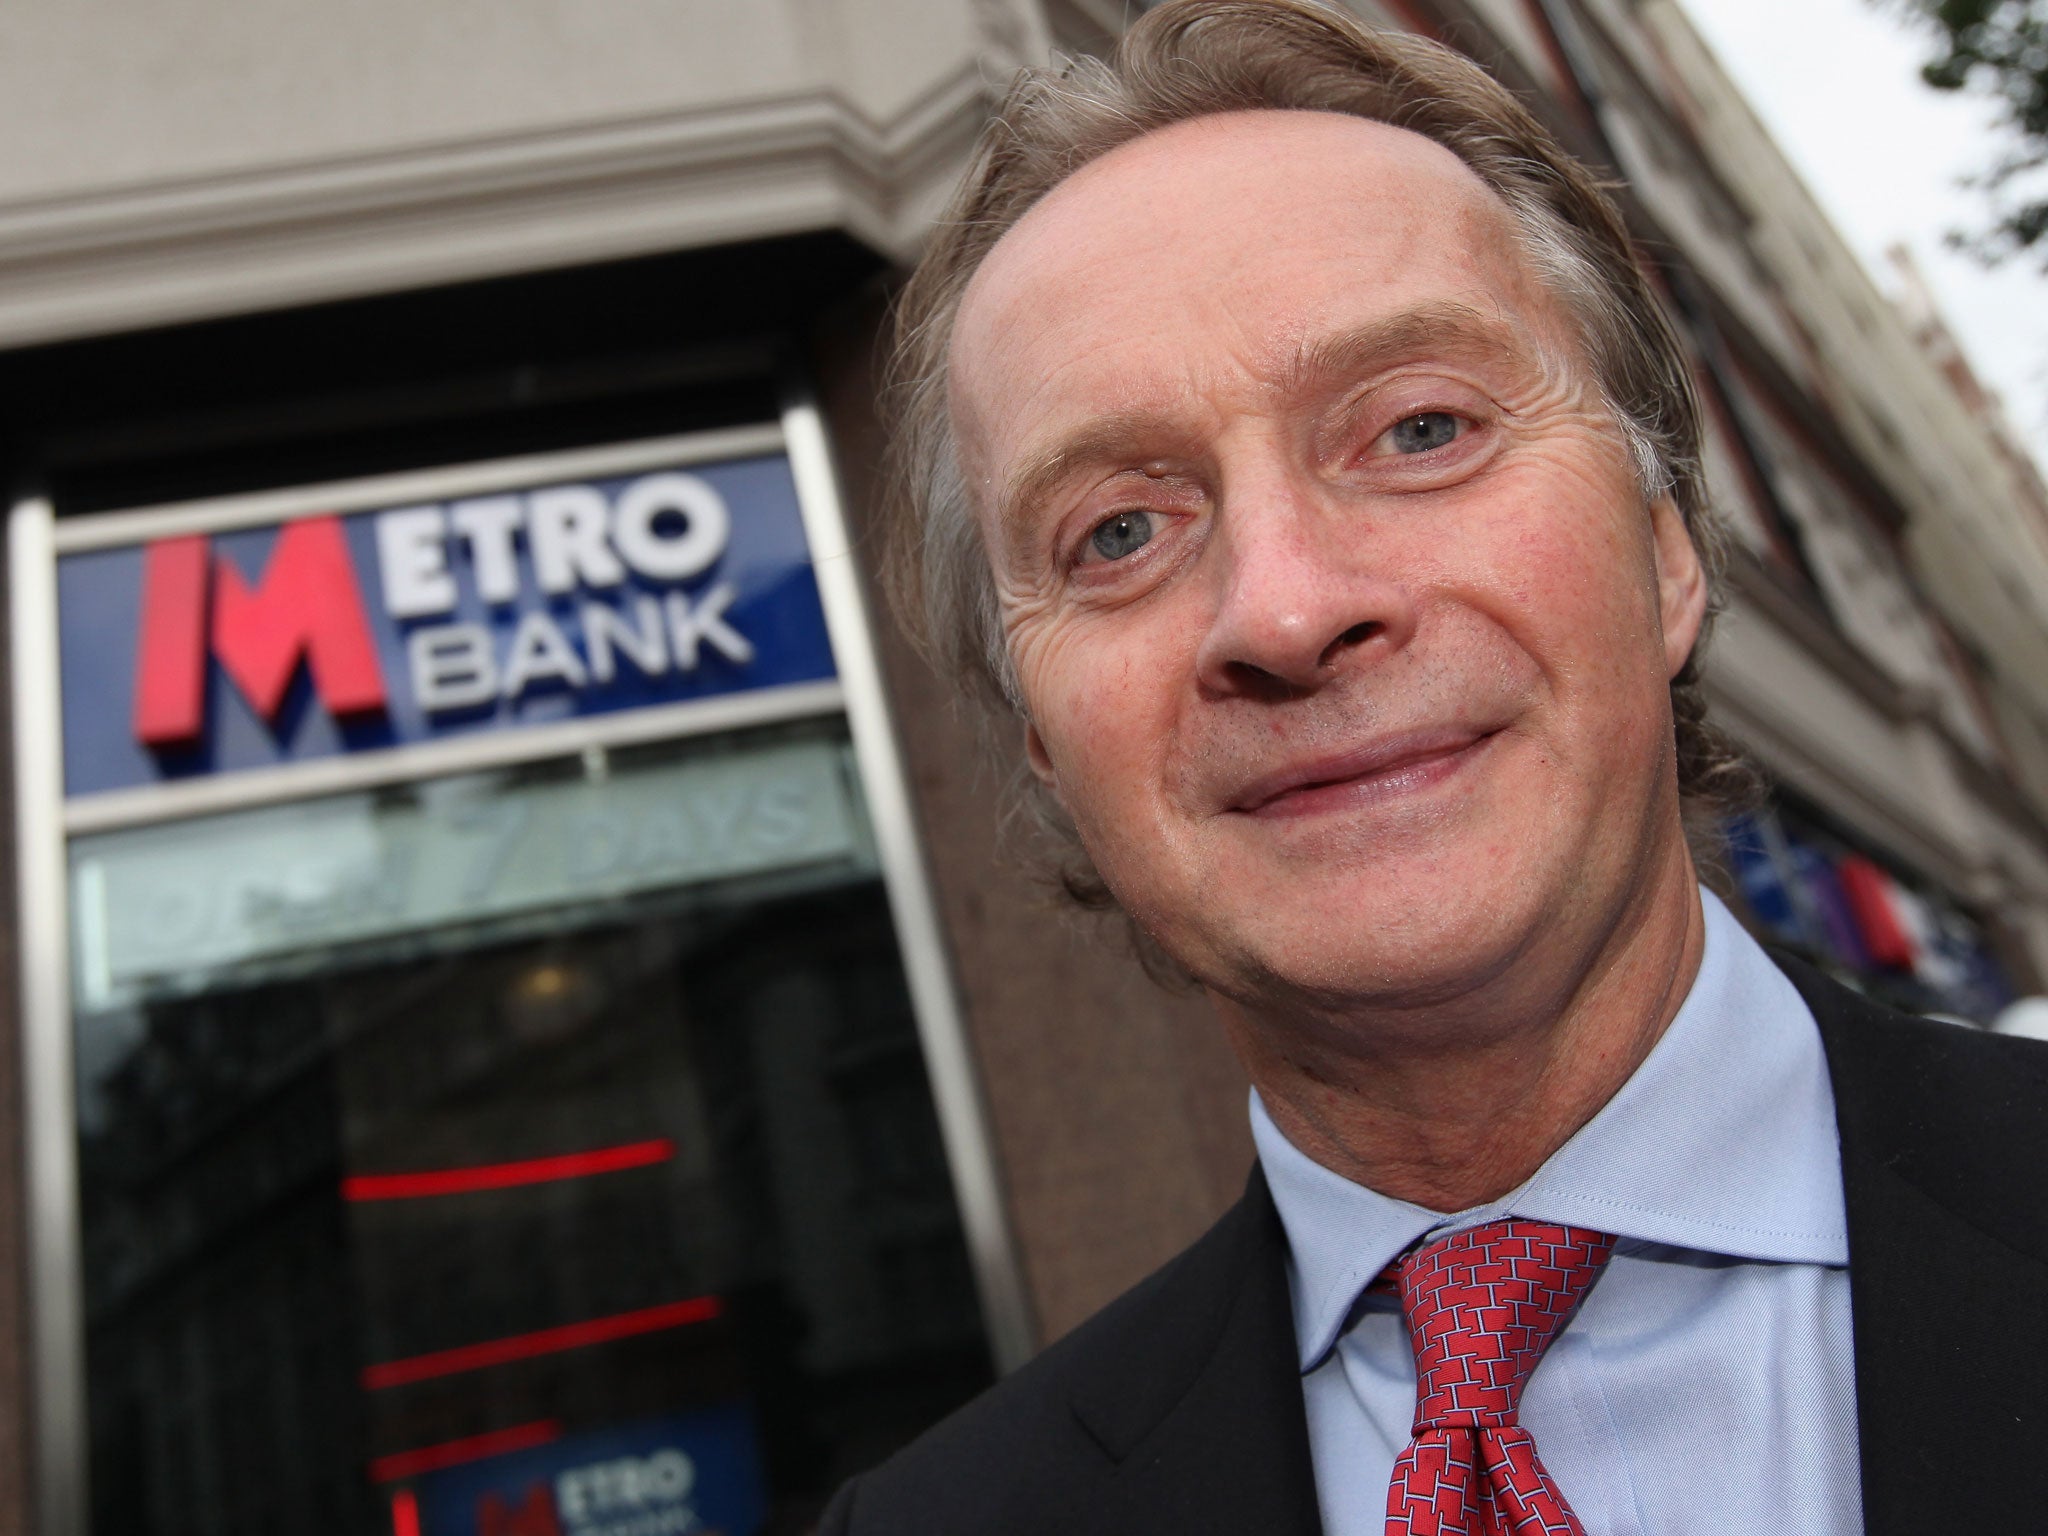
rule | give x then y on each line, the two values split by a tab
1942	1133
1204	1419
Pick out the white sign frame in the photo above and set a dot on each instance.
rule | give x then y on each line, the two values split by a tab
45	819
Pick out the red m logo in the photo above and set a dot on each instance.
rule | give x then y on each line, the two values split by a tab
306	605
533	1516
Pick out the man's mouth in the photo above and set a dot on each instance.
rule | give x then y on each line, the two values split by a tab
1382	770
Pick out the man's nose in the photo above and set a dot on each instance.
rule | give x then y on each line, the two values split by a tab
1305	596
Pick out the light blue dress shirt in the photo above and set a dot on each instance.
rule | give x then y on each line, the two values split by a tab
1707	1384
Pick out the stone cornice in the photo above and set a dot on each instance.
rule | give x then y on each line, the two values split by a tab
169	252
1884	794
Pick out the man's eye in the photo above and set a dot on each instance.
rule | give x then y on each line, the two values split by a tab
1123	534
1422	432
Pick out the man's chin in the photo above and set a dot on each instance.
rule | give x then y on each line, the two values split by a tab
1355	950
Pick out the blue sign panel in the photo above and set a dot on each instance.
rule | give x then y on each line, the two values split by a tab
327	635
695	1474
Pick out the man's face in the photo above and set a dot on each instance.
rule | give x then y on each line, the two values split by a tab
1342	627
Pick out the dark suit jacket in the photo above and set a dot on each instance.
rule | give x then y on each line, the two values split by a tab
1179	1408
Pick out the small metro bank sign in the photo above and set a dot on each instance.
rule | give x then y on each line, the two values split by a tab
335	633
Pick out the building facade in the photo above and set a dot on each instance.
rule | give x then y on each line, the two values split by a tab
524	1016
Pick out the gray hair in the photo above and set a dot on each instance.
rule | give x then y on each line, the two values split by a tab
1196	58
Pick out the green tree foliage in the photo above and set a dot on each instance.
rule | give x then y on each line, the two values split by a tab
2001	47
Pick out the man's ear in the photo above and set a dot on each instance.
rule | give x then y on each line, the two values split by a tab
1681	583
1040	760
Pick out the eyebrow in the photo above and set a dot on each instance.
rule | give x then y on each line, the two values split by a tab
1118	438
1444	326
1127	437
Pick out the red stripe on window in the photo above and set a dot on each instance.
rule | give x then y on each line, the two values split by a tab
453	1453
405	1513
534	1170
548	1341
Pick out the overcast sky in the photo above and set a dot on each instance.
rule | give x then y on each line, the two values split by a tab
1837	82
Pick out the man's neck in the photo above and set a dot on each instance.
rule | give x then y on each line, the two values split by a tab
1459	1103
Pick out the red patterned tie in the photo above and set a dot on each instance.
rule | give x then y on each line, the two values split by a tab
1482	1306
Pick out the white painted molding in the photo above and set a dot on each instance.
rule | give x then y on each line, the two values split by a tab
1895	779
186	250
1873	804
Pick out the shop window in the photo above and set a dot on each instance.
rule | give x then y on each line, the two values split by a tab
555	1136
500	1104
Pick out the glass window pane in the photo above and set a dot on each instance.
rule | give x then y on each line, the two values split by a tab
542	1151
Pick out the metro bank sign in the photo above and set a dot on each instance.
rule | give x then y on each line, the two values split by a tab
333	633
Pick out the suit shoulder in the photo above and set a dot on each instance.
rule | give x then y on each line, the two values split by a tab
1924	1072
1953	1110
1031	1453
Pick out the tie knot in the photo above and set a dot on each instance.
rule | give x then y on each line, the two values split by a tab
1482	1306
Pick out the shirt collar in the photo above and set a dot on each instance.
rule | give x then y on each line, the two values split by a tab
1722	1141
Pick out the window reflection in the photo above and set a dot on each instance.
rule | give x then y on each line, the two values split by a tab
597	1200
